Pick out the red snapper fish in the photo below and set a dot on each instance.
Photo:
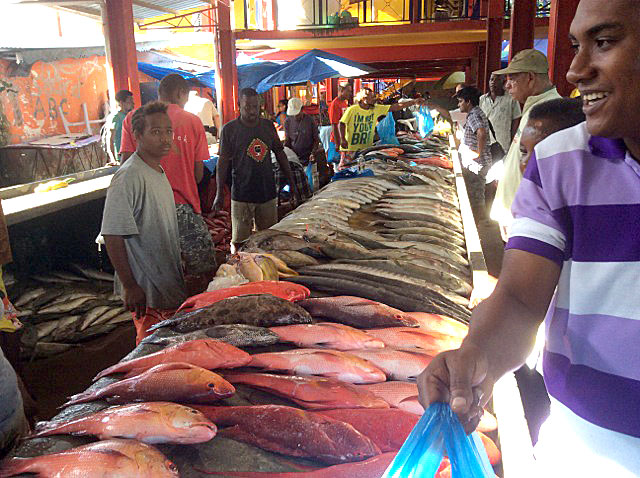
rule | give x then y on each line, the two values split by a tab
440	324
357	312
103	459
150	422
371	468
387	428
206	353
170	382
327	363
293	432
402	395
408	337
327	334
402	365
311	393
284	290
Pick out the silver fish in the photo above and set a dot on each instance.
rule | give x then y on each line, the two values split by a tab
29	296
63	307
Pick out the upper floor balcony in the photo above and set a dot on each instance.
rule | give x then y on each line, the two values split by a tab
326	16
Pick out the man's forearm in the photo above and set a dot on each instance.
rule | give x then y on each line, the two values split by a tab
222	171
198	171
283	162
117	252
505	325
336	134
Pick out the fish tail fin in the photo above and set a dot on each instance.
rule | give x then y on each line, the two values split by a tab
107	371
16	466
80	398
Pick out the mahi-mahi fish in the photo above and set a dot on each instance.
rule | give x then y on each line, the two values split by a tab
259	310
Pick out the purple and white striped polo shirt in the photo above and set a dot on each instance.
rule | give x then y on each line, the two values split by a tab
579	206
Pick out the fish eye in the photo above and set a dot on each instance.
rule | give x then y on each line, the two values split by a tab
211	385
172	466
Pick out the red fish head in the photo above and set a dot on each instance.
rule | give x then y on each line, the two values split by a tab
191	425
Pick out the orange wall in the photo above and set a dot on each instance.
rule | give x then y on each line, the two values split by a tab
33	111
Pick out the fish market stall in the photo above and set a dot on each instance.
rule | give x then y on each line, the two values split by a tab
312	375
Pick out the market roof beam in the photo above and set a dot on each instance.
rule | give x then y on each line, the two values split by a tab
153	6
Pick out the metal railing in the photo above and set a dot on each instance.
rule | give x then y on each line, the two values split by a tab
332	14
325	15
543	8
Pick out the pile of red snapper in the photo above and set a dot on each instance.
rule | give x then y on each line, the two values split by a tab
352	380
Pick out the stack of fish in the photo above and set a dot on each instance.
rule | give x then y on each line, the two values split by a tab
396	238
281	380
295	382
61	309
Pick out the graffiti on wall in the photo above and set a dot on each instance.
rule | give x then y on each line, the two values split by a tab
34	110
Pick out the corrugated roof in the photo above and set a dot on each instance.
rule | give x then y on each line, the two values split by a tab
142	9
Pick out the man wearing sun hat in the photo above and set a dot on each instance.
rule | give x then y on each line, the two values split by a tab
528	83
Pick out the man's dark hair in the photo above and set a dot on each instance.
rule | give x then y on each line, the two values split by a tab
139	118
558	114
172	84
247	93
283	102
471	94
123	95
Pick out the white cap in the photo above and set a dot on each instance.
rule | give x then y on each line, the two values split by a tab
294	106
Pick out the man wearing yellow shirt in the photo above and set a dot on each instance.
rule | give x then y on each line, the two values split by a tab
357	125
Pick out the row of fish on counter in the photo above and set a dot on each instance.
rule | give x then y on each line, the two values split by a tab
324	385
396	238
61	309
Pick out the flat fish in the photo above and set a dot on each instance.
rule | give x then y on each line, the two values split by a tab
238	335
259	310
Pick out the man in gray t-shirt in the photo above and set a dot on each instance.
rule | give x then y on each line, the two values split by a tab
12	420
140	225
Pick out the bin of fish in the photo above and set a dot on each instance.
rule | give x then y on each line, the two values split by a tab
61	309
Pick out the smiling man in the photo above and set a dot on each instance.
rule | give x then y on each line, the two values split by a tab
574	256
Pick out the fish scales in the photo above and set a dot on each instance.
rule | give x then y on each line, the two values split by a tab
238	335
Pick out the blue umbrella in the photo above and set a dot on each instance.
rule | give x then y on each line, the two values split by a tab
206	77
313	66
250	74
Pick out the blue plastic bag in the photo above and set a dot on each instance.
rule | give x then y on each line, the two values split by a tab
387	130
439	430
425	121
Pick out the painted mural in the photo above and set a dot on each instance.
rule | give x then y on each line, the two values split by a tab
33	111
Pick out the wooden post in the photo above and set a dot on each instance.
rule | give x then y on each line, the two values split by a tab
560	53
523	14
226	72
120	46
493	50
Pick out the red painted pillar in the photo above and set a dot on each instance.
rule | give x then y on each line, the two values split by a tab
329	90
226	70
120	45
357	85
523	14
482	67
560	53
493	52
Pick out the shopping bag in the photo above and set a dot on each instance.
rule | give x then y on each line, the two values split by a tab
437	432
387	130
425	121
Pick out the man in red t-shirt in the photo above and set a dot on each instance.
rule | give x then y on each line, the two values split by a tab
336	110
184	169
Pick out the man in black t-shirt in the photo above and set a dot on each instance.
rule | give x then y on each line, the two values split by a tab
246	144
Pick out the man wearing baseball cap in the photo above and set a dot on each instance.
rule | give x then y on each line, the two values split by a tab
528	83
302	136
